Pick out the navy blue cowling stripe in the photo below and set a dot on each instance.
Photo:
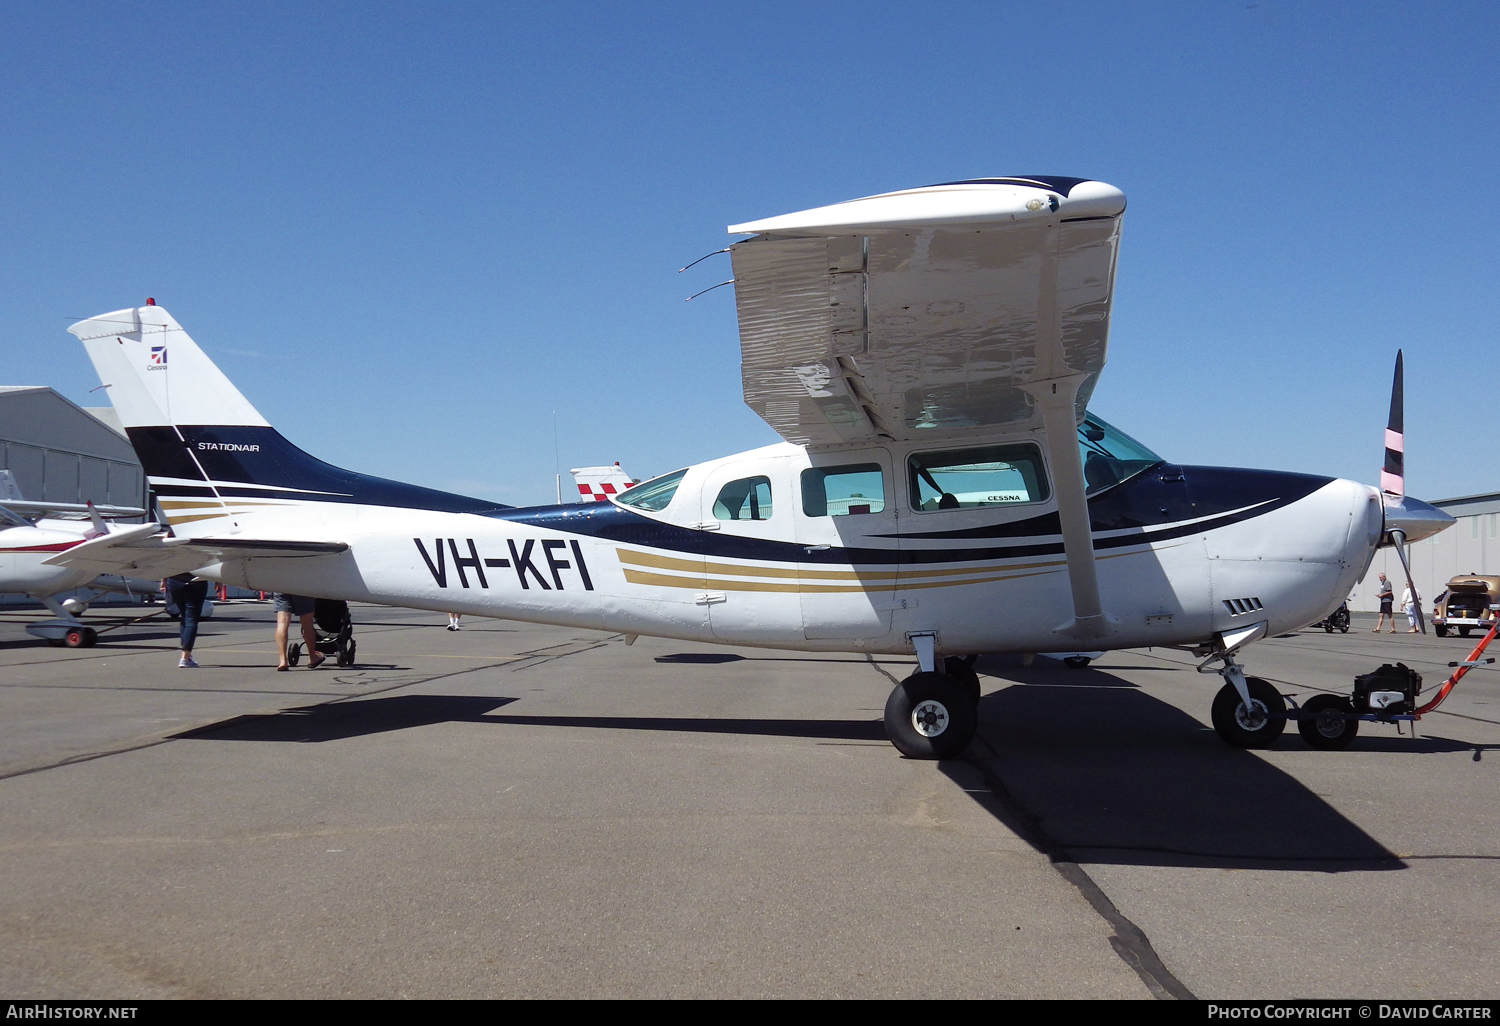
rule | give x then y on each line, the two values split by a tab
1056	183
1156	500
250	456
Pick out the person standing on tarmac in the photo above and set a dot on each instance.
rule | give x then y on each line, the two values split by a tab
187	595
1386	594
1411	601
302	607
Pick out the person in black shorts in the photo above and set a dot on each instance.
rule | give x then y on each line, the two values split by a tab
1385	593
300	606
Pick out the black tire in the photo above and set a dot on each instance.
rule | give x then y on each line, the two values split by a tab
1328	628
1345	628
930	716
1077	662
1442	630
75	638
961	669
1328	733
293	652
352	646
90	637
1463	632
1257	730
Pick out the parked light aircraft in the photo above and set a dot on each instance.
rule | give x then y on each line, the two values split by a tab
32	531
928	357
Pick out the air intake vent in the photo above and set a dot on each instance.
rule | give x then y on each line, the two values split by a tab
1239	607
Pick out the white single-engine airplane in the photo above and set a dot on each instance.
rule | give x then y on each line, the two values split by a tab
32	532
928	357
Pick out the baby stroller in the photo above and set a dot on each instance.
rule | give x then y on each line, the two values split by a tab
335	632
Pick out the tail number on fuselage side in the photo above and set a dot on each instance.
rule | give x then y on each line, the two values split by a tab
520	560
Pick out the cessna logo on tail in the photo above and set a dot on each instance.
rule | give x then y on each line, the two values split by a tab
527	562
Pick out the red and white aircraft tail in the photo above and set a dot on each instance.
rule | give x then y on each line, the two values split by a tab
595	484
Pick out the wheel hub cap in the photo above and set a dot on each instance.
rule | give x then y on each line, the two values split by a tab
1252	718
930	718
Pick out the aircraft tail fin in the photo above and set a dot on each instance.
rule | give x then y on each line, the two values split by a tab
208	454
156	375
596	484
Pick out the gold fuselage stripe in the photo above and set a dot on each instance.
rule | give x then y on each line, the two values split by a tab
705	584
740	570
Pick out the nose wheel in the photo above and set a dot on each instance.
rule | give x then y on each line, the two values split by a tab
1256	725
932	715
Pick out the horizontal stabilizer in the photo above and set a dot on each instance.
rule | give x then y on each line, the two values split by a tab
144	552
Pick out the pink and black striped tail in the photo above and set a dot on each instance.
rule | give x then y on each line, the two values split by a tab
1393	474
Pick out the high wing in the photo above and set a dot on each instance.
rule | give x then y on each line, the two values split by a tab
145	551
927	311
968	308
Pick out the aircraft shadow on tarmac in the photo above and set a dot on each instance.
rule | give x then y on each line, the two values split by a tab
1089	768
336	721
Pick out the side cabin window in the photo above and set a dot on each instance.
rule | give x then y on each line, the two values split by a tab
746	499
843	491
655	494
990	475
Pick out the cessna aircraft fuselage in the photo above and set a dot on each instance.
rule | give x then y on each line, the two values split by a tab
927	357
1183	552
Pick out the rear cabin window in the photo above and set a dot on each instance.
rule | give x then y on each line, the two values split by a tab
655	494
991	475
843	491
746	499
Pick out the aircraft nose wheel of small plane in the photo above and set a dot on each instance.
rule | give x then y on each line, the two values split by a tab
1328	732
931	716
1256	727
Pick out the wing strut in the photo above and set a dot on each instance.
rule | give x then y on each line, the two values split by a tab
1055	390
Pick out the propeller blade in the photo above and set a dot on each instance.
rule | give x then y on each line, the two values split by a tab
1393	474
1399	537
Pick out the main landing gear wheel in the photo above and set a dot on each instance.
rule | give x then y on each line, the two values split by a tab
931	716
80	637
1256	727
961	669
1327	731
1077	662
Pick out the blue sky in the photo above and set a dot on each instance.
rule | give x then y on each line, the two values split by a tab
411	232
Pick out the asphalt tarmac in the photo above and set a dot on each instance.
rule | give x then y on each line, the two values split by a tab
512	811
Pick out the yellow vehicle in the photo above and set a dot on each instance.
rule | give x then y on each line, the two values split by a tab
1466	604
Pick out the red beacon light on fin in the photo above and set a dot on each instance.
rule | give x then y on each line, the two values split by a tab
150	301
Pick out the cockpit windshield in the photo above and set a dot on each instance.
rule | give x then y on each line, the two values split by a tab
655	494
1110	456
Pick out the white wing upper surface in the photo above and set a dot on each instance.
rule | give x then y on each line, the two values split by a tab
923	313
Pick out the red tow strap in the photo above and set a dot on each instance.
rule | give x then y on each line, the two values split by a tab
1458	674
